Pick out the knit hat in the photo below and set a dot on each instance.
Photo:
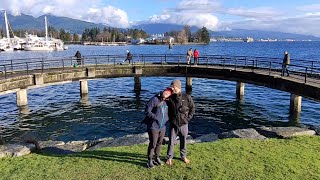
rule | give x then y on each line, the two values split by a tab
176	83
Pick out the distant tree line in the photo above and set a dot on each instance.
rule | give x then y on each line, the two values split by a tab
185	35
109	34
93	34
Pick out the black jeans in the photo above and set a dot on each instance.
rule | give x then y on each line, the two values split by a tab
155	142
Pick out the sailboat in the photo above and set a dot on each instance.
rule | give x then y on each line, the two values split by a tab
5	43
35	43
8	43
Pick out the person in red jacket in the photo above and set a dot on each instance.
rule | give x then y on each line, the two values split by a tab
196	56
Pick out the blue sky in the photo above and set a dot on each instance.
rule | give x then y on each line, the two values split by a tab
294	16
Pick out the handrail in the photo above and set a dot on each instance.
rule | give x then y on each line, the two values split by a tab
309	70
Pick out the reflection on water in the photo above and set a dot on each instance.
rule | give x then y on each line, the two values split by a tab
113	108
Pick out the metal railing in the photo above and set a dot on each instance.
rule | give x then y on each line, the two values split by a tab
308	70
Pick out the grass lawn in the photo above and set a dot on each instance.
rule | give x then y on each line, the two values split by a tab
297	158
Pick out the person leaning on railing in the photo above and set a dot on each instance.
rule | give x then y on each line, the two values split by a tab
285	63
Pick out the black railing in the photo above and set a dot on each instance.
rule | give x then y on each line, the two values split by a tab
307	70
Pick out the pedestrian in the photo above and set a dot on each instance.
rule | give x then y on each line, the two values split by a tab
78	56
196	57
181	110
156	112
189	55
285	63
129	57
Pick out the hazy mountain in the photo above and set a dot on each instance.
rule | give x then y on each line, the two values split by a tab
258	34
29	22
77	26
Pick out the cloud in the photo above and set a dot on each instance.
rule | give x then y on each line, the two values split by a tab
189	12
310	7
87	10
306	24
255	13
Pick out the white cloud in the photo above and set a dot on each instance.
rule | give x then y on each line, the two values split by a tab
310	7
189	12
87	10
254	13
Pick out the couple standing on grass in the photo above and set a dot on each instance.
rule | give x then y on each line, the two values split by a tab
176	107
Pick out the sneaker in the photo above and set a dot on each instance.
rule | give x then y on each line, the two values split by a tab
185	160
150	164
169	162
158	162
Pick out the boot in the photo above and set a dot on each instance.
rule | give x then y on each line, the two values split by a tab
158	161
150	163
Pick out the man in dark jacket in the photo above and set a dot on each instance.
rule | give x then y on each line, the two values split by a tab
181	110
78	56
156	117
129	56
285	63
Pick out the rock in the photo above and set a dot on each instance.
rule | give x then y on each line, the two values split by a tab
285	132
243	133
14	150
31	137
45	144
208	138
316	129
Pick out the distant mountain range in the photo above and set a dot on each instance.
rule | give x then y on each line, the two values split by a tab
77	26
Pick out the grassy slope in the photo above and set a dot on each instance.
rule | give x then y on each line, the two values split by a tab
297	158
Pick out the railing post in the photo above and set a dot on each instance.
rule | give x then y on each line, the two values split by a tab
253	65
108	59
245	61
165	58
62	65
305	75
11	65
207	61
179	61
312	67
161	60
235	65
257	63
28	68
114	61
270	69
5	71
95	61
224	62
42	65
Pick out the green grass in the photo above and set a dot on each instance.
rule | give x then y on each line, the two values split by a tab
297	158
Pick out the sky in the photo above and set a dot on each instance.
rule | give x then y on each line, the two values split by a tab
293	16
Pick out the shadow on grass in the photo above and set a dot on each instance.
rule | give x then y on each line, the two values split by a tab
107	155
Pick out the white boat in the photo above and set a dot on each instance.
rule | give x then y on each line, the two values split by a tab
5	43
35	43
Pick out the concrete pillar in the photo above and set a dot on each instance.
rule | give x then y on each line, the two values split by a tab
22	98
91	72
38	79
137	70
188	83
137	83
240	90
83	88
295	105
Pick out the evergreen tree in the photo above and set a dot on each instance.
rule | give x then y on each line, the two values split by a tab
205	37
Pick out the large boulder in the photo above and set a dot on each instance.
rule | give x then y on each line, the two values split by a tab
15	150
249	133
207	138
285	132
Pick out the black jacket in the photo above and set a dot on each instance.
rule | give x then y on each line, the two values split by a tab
181	109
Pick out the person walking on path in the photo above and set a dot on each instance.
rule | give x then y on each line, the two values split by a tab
156	112
78	56
196	57
181	110
285	63
129	57
189	55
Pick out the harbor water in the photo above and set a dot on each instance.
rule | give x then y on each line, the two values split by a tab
114	109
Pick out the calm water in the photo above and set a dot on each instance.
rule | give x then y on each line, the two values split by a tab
114	109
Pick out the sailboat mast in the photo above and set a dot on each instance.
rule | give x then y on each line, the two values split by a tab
7	27
46	27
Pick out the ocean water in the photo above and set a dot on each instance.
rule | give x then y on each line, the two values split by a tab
113	109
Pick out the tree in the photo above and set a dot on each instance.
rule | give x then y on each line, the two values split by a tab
75	37
204	34
182	37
